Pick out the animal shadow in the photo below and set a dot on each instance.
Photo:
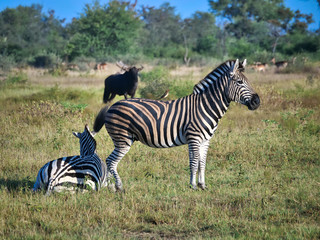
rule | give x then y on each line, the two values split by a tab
13	185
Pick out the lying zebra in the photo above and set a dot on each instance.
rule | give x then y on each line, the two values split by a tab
84	171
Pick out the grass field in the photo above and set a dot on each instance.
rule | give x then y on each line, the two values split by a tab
262	174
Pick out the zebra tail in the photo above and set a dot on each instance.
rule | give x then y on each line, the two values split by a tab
100	119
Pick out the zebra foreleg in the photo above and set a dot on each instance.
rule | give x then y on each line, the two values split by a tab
112	163
202	164
194	156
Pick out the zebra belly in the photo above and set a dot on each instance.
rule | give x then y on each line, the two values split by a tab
71	184
164	143
127	137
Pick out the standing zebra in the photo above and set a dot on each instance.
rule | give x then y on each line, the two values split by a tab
188	120
69	173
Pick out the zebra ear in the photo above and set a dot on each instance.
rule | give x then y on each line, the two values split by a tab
76	134
86	128
235	68
244	63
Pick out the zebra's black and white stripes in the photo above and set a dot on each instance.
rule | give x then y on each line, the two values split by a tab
189	120
84	171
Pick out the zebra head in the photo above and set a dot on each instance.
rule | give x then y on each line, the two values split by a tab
87	142
240	89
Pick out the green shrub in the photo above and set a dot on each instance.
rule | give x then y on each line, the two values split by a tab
300	67
16	78
181	88
84	63
262	56
7	62
156	82
46	60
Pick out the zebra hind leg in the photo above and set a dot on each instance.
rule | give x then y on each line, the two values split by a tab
112	163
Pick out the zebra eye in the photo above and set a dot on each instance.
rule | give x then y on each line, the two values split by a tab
240	81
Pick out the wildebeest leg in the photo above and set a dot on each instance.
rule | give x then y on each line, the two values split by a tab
132	95
202	164
112	163
125	96
106	96
112	96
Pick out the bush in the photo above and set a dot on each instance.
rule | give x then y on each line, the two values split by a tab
85	63
45	60
156	83
240	48
16	78
7	62
181	89
262	56
300	67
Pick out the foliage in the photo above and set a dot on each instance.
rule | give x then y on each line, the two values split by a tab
120	29
46	60
156	82
15	78
250	21
26	31
301	43
104	30
162	31
240	48
7	62
202	35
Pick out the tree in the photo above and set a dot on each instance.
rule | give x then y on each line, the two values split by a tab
104	30
201	33
242	14
264	21
26	32
162	32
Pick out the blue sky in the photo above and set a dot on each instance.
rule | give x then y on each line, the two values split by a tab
72	8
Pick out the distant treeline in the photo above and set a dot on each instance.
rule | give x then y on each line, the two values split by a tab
258	30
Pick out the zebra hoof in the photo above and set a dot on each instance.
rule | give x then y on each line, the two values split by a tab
112	187
193	187
119	188
202	186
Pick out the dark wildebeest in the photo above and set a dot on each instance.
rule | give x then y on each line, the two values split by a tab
121	84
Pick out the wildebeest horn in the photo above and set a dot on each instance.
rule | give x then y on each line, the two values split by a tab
122	66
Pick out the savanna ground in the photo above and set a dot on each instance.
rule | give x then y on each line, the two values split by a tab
262	174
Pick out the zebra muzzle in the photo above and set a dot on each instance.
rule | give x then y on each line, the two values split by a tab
254	103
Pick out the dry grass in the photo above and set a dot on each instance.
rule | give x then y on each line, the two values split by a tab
262	170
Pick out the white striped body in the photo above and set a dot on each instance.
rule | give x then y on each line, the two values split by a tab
161	124
72	173
85	171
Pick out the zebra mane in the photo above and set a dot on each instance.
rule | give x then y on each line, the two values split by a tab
87	142
216	74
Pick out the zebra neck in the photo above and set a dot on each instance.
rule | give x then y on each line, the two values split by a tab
215	100
87	152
